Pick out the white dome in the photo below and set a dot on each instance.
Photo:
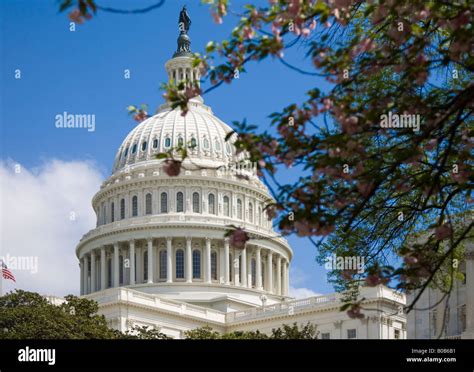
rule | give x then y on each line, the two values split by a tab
173	229
169	129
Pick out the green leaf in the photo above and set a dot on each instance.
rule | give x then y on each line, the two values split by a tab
64	5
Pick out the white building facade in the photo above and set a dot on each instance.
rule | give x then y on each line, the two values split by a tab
159	255
437	316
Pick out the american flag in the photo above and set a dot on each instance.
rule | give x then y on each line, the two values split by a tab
7	274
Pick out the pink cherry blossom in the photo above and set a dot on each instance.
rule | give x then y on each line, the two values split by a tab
354	312
172	167
76	16
238	238
442	232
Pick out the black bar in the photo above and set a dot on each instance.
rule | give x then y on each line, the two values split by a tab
244	355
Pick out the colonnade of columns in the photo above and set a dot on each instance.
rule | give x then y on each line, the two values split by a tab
183	260
183	73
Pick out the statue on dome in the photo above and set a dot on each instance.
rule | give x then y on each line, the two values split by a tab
184	42
184	21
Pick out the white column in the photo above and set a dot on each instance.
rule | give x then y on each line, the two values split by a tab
103	270
258	281
132	261
226	261
221	265
93	272
269	270
243	262
81	266
116	266
86	274
236	267
169	260
278	274
151	266
207	275
469	332
189	262
283	279
249	270
283	276
287	277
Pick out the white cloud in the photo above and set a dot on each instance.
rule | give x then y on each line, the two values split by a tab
302	292
298	276
35	209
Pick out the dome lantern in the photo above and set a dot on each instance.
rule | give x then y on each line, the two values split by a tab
180	67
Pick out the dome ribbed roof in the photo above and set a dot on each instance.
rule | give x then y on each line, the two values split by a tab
169	129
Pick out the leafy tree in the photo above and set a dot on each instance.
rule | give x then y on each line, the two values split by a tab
286	332
28	315
145	333
368	183
203	333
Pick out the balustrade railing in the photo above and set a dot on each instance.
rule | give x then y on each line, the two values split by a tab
280	308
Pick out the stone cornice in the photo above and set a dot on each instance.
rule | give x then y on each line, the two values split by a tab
159	310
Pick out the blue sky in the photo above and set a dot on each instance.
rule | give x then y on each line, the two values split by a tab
82	72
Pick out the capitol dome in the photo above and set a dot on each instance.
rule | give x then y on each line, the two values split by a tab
202	132
167	236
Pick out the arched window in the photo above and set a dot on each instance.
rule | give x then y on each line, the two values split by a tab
196	202
180	202
263	274
134	148
193	142
239	209
121	270
205	143
148	200
217	144
144	146
259	215
135	206
122	209
214	265
231	268
227	148
253	271
251	212
226	206
125	153
163	264
180	141
112	212
196	264
212	204
167	142
145	265
179	264
164	202
155	143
